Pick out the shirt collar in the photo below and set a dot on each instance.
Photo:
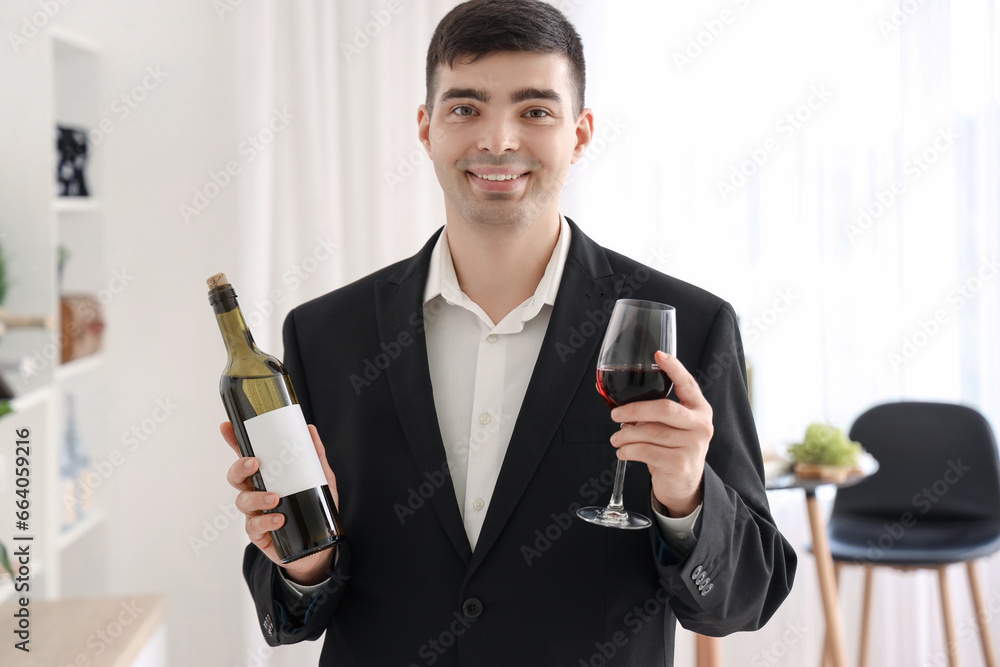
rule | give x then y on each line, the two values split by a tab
443	281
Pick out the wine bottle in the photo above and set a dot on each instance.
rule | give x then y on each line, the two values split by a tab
270	426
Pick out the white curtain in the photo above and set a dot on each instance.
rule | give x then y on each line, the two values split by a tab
831	169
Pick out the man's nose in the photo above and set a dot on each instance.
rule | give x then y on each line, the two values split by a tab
499	135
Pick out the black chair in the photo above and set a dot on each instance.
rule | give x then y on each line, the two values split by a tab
934	502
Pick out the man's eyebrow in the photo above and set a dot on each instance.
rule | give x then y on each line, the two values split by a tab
525	94
465	93
518	96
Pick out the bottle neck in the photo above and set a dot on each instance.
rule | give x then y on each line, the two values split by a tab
235	333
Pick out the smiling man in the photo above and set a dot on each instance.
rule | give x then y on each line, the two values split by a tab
460	467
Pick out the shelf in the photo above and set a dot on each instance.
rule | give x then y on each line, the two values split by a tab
78	530
31	399
65	38
75	204
79	366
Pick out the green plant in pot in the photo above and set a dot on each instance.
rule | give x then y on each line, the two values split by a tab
826	453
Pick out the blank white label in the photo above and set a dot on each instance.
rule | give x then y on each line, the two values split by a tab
288	460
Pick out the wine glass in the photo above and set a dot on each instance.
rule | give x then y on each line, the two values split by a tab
626	372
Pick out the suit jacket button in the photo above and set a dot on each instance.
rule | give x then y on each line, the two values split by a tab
708	589
472	608
268	625
698	570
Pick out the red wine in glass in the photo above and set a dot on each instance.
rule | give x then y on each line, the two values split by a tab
623	384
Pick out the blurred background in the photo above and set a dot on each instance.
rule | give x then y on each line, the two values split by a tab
830	169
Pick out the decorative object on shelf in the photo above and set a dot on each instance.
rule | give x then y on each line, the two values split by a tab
62	257
67	477
74	464
826	453
71	144
5	562
82	326
3	276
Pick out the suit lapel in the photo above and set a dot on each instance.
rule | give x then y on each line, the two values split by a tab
563	362
399	308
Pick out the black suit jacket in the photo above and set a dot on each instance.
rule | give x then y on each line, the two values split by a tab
542	587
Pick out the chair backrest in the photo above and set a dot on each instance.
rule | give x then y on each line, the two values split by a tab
937	461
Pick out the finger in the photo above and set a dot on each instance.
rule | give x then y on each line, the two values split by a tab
226	428
653	433
254	502
260	525
331	479
685	386
240	472
660	411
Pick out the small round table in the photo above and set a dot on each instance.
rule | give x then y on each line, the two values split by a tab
821	546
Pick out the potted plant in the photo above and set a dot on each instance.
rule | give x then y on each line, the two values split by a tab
826	453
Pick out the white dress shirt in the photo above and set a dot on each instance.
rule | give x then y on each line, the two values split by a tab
479	374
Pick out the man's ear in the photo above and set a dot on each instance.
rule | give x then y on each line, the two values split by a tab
424	128
584	134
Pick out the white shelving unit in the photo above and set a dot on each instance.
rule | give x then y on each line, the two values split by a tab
63	79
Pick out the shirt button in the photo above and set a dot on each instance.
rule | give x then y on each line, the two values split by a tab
492	338
484	418
478	504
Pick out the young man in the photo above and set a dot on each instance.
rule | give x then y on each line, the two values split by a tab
461	464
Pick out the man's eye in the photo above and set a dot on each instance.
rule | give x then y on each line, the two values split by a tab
463	110
537	113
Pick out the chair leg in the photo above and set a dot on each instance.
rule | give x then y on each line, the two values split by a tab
982	615
827	644
866	616
708	651
951	640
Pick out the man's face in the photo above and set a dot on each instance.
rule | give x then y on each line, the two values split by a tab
503	136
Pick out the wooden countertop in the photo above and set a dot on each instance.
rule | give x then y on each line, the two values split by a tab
82	632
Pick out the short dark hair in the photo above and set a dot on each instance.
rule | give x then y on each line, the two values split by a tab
478	28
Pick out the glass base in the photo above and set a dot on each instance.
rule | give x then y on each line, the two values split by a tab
610	518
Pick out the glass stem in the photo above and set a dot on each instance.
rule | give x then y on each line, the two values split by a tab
616	493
